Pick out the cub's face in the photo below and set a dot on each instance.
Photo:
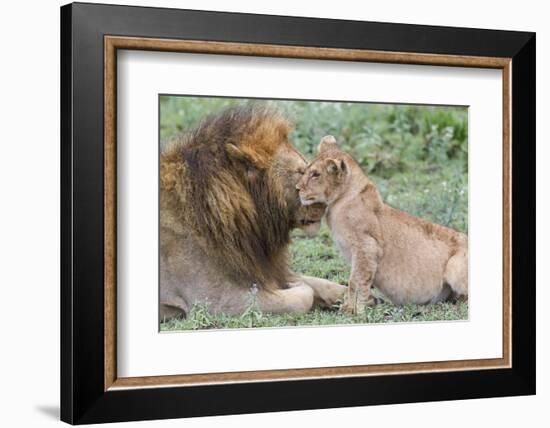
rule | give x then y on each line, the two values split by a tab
325	175
312	187
321	180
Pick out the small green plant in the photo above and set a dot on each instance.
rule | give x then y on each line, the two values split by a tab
252	316
199	316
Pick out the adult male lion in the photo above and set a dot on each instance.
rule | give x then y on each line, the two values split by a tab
228	202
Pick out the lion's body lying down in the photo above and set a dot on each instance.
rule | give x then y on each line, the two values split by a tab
409	259
227	204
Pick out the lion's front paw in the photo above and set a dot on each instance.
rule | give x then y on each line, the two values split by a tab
331	296
327	293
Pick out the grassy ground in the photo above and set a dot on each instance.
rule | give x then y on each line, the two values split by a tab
417	156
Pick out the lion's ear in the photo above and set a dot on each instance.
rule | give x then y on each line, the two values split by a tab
336	166
247	157
234	152
327	142
239	154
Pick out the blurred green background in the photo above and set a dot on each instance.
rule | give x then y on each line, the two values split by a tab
417	155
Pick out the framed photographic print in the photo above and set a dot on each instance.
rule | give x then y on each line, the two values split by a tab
265	213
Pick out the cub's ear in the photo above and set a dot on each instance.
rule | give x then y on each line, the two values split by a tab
327	142
336	166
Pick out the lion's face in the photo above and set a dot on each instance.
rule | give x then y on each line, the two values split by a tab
289	166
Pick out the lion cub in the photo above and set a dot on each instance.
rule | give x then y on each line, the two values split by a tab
410	260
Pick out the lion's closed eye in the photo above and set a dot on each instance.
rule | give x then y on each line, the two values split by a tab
299	173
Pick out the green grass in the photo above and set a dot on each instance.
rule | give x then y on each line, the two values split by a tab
417	156
381	313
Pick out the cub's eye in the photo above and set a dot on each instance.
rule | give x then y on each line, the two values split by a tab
300	171
315	174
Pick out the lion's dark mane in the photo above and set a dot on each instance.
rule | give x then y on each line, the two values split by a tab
232	198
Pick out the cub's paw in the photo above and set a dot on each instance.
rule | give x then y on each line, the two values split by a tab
354	306
348	308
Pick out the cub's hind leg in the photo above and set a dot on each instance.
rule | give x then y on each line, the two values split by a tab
456	273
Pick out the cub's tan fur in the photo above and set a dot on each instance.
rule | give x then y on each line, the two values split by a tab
228	202
410	260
